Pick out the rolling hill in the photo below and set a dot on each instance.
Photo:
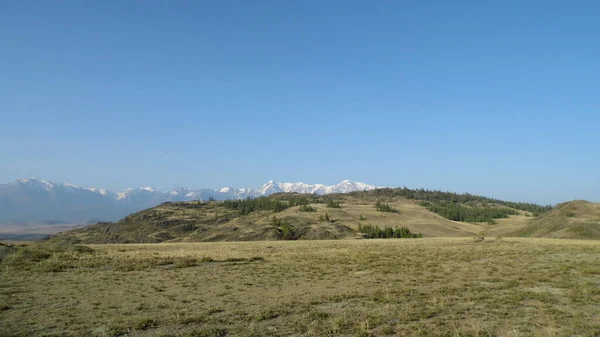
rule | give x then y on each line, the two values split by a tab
309	216
577	219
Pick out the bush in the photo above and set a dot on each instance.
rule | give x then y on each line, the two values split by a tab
298	201
306	208
188	227
324	218
287	231
185	262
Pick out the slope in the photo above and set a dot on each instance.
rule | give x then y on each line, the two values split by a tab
577	219
279	216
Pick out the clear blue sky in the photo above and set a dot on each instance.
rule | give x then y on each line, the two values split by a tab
500	98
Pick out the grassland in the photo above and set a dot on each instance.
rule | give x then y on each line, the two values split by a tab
571	220
395	287
197	222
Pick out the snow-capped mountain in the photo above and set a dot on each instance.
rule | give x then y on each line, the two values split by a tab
36	201
33	200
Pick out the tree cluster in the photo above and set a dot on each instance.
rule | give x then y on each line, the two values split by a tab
298	201
287	231
457	212
375	232
249	205
306	208
333	204
384	207
466	198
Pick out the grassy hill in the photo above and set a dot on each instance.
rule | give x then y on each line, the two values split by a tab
571	220
307	217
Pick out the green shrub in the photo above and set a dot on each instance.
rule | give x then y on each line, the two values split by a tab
374	232
333	204
287	231
384	207
306	208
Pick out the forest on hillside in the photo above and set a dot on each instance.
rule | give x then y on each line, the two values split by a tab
438	197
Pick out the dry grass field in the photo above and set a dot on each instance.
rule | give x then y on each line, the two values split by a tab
189	222
393	287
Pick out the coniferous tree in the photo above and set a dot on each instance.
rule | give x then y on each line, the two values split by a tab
249	205
373	232
384	207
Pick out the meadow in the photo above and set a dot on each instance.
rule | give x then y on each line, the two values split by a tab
391	287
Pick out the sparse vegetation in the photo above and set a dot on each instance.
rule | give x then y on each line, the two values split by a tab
384	207
575	219
425	287
298	201
324	218
333	204
224	221
306	208
287	231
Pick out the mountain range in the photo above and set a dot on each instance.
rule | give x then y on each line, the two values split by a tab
37	201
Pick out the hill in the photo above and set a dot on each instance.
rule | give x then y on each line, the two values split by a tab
308	216
577	219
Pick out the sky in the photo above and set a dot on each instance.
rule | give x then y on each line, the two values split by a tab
500	98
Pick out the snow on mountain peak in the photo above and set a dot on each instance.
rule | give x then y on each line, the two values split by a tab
227	189
98	190
184	193
40	183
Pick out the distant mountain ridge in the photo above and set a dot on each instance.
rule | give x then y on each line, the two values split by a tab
33	200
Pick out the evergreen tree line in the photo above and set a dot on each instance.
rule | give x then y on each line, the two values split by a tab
384	207
457	212
248	205
466	198
374	232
